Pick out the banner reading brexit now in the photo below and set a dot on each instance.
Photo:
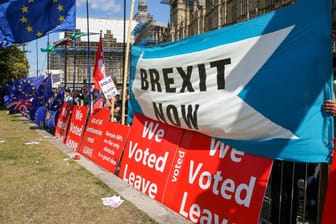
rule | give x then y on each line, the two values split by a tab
258	85
200	178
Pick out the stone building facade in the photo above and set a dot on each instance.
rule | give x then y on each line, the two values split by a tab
192	17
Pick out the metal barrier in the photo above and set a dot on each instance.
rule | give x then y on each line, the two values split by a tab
295	193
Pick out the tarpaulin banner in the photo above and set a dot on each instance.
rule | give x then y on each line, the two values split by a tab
103	141
63	122
329	203
258	85
113	143
207	173
148	155
192	173
93	134
76	127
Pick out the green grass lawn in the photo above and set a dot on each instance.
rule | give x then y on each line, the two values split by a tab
38	186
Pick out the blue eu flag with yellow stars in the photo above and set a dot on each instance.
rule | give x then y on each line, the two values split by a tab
43	93
25	20
26	88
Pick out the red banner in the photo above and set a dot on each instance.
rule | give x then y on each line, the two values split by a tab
93	135
63	121
148	155
76	127
211	182
329	204
113	142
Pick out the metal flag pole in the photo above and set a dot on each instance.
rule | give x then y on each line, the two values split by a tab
37	58
88	52
48	56
126	64
65	66
74	66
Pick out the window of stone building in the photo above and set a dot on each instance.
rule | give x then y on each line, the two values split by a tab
208	4
251	5
222	15
243	7
269	3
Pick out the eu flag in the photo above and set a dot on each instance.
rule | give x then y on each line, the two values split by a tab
43	93
25	88
25	20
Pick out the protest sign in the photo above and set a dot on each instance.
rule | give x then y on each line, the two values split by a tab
63	121
113	142
207	173
92	138
108	87
76	127
148	155
212	83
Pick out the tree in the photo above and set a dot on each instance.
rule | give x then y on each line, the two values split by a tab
13	64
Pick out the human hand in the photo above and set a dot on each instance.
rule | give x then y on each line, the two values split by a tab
330	106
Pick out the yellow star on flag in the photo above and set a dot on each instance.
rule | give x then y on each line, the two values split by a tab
24	19
24	9
61	18
29	29
60	8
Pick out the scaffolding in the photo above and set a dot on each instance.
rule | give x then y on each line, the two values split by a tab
73	60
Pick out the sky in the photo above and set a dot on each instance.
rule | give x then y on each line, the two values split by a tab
113	9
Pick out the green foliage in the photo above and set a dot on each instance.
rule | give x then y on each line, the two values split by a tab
13	64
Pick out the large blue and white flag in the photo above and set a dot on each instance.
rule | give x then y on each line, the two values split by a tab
259	85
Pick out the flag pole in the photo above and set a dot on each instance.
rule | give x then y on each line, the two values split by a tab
37	58
74	66
126	63
65	66
48	56
88	52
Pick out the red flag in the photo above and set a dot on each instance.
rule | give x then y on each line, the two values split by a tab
99	69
